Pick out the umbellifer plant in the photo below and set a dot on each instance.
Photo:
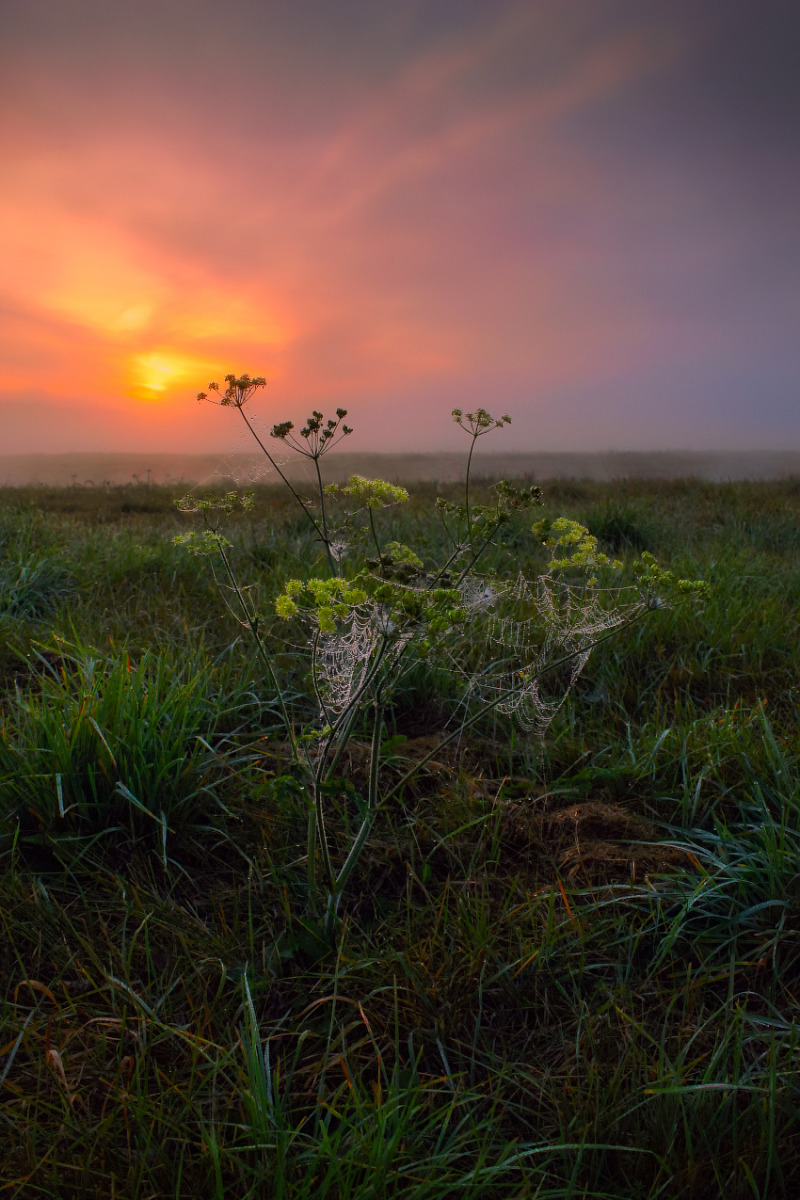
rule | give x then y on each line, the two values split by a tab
375	607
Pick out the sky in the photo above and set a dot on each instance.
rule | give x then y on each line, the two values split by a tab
580	212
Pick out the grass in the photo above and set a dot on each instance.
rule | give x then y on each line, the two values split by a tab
569	970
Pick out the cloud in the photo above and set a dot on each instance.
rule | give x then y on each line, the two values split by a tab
411	202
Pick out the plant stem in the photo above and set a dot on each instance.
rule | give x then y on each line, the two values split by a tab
315	680
347	733
372	801
352	707
375	537
324	773
446	528
466	486
311	854
319	532
458	550
476	556
322	834
325	537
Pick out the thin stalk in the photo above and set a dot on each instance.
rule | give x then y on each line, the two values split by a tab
342	746
372	802
322	836
323	775
319	532
219	586
319	812
446	528
458	550
375	753
375	537
476	555
315	679
345	717
466	486
311	853
326	538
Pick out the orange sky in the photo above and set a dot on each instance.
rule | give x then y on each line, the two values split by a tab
583	214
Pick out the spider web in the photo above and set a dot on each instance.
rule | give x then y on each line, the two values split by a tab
543	632
344	660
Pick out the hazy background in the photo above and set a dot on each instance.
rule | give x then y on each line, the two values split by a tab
583	212
215	468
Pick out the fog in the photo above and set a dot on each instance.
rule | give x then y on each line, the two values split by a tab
95	470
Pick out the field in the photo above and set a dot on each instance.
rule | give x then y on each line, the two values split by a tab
239	464
567	968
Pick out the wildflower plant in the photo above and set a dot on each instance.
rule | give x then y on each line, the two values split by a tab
315	439
375	607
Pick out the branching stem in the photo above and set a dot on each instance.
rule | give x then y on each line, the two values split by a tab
321	533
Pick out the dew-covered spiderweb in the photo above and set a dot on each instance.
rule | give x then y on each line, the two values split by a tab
342	660
522	648
363	648
539	635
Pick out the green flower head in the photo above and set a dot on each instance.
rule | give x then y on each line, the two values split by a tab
374	493
203	542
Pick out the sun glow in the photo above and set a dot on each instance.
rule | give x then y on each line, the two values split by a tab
154	374
133	318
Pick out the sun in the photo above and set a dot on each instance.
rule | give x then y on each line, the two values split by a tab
153	374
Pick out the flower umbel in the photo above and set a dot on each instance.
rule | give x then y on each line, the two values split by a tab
237	393
318	434
374	493
479	422
204	541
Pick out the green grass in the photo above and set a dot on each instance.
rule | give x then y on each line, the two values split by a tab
569	970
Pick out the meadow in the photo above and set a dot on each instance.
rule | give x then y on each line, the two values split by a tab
565	968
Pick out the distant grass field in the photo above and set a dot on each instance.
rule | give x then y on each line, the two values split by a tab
566	970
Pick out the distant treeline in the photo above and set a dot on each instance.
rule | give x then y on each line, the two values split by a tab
139	470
